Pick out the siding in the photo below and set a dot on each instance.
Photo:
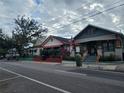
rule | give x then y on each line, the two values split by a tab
54	42
97	38
92	32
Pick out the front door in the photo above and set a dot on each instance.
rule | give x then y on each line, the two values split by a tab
91	48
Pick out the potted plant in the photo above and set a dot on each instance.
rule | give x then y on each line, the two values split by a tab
78	60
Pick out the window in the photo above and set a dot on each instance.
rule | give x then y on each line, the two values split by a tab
29	51
51	39
108	46
35	50
111	46
88	32
105	48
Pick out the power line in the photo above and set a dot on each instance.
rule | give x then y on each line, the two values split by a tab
66	14
116	2
92	14
98	13
108	5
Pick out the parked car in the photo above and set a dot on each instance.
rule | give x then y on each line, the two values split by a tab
12	54
1	57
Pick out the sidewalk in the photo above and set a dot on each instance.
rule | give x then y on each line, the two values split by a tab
51	63
117	66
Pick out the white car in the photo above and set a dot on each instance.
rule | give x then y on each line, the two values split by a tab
12	54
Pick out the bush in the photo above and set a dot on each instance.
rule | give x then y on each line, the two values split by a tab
2	51
78	60
69	58
50	53
111	57
56	52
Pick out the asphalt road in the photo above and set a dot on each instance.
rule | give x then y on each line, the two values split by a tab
18	77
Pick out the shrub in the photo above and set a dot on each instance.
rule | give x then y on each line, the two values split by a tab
50	53
111	57
78	60
56	52
69	58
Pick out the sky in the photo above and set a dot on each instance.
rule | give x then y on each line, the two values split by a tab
63	17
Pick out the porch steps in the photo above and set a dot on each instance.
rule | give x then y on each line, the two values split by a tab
90	58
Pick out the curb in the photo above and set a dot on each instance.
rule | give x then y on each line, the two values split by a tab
51	63
116	68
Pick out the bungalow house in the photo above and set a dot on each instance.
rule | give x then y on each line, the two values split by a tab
51	49
56	44
93	41
37	46
35	50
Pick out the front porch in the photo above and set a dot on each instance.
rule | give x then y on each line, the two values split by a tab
92	49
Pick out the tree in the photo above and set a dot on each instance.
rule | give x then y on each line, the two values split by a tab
26	31
1	43
5	43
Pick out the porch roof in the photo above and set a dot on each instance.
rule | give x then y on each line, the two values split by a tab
90	25
98	38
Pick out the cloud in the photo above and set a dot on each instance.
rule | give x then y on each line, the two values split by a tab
95	6
115	19
58	14
71	14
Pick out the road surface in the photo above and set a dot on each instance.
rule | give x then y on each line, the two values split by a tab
18	77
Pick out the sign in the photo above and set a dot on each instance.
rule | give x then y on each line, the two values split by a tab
77	49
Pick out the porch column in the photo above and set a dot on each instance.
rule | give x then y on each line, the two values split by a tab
72	51
77	49
38	52
118	48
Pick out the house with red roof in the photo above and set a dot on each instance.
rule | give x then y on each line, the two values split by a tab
54	48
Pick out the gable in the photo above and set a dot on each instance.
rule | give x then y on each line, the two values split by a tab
40	41
52	42
91	31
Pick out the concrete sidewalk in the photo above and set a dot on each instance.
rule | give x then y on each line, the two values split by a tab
51	63
117	66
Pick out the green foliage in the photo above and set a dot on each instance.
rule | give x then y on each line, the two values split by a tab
26	31
50	52
6	43
3	51
26	58
57	52
69	58
111	58
43	52
78	60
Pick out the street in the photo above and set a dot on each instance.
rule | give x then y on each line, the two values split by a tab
20	77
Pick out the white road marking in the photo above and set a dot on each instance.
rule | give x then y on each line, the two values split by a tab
74	73
9	78
36	81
